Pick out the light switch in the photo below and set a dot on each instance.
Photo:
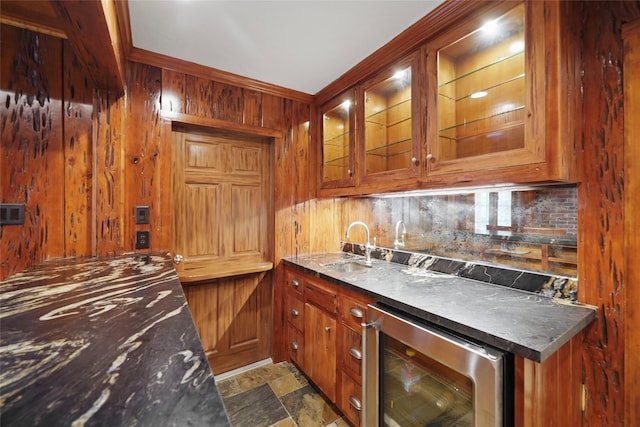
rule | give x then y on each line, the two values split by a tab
142	214
11	213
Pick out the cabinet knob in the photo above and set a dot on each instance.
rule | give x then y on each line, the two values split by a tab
414	160
327	328
355	402
294	345
429	156
295	312
295	283
349	172
178	258
356	312
357	354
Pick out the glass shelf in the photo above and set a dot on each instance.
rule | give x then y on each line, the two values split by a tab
484	67
372	151
479	120
332	140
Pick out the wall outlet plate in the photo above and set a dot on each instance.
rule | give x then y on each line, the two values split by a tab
11	213
142	240
142	214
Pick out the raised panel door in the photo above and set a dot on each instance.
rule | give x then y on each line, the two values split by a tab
320	349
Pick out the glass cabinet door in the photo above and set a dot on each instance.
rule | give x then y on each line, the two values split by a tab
388	108
482	95
337	141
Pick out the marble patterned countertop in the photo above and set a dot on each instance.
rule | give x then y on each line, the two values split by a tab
525	323
102	341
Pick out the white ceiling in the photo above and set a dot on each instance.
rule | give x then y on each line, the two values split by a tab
298	44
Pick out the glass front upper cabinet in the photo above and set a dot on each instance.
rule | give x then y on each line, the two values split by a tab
480	87
389	110
337	135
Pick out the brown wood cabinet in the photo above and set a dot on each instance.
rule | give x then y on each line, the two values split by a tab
371	134
323	329
311	328
500	94
467	110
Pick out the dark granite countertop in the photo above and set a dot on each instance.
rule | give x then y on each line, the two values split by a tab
524	323
102	341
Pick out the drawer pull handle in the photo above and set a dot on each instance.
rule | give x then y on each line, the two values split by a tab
294	345
355	402
357	354
295	283
356	312
295	311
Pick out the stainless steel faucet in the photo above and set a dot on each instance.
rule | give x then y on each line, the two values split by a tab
367	247
399	243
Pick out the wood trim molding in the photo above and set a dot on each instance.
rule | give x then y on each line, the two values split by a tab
201	275
169	63
190	120
631	41
403	44
135	54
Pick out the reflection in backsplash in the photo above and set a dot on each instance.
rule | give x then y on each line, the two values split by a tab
534	229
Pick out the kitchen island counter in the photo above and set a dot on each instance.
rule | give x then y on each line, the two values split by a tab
103	341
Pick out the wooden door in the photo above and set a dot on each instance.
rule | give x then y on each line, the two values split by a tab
221	191
221	228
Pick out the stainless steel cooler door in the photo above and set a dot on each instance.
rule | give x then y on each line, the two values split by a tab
417	375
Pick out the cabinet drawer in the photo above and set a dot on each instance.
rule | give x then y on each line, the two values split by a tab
352	311
295	283
321	296
350	402
295	312
295	345
352	352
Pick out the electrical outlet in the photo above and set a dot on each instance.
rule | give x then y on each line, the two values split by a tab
142	214
142	240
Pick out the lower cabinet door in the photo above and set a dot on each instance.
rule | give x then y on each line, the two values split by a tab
320	349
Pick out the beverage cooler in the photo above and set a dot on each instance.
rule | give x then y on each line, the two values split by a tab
418	375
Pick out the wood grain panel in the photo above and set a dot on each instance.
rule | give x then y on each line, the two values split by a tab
31	152
146	157
202	236
601	213
92	32
173	91
631	37
227	102
233	318
78	157
539	386
108	174
246	203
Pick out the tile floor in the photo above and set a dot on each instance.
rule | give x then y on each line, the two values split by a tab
276	395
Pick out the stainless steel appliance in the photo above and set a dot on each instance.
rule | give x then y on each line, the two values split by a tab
417	375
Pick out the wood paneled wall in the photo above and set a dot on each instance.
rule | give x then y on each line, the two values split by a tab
82	158
80	191
601	255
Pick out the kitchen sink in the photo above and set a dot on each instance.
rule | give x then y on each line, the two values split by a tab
347	266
